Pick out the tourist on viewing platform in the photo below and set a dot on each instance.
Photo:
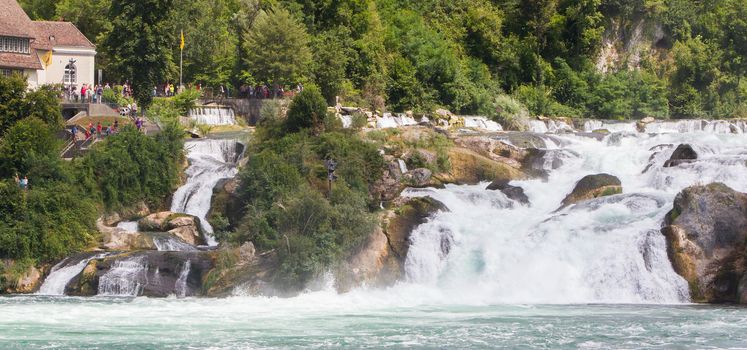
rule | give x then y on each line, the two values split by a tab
99	93
83	93
89	94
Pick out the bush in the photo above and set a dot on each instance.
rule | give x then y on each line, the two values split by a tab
510	113
307	110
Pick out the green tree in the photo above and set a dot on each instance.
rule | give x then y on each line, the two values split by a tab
139	44
330	60
29	148
39	9
89	16
277	48
42	103
12	101
307	110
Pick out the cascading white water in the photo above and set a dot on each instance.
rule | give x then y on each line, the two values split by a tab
169	243
181	282
213	115
482	123
591	125
129	226
209	162
488	249
61	275
389	120
125	278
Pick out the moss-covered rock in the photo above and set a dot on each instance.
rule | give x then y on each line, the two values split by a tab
593	186
706	233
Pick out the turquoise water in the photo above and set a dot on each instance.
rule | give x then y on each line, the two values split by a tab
31	322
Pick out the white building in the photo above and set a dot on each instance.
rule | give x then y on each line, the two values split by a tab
45	52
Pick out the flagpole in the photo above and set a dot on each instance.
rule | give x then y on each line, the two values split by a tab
181	59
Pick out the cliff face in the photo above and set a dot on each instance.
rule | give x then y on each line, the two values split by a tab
627	42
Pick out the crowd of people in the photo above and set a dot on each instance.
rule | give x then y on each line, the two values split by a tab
90	93
264	92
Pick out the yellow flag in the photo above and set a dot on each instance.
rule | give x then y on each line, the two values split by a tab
181	45
47	59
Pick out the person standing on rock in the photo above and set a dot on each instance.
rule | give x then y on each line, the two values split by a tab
98	130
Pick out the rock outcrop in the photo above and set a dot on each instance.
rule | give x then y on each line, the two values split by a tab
515	193
593	186
19	279
470	167
706	234
684	153
186	227
400	223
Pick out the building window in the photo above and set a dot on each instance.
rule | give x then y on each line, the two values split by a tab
15	45
7	72
70	74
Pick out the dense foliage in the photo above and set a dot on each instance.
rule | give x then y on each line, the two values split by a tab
56	214
289	207
681	58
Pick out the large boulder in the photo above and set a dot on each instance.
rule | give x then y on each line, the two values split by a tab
183	226
684	153
418	177
593	186
400	223
18	279
706	234
470	167
374	265
226	203
512	192
144	273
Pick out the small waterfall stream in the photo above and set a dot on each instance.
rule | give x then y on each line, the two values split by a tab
213	115
209	162
125	278
62	273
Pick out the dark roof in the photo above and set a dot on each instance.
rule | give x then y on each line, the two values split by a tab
60	34
14	21
19	60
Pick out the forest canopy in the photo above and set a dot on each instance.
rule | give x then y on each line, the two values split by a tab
578	58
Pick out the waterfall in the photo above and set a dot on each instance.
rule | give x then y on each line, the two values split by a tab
169	243
389	120
488	249
209	162
482	123
181	283
126	277
129	226
213	115
611	126
61	275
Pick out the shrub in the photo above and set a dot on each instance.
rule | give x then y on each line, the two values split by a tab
308	109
